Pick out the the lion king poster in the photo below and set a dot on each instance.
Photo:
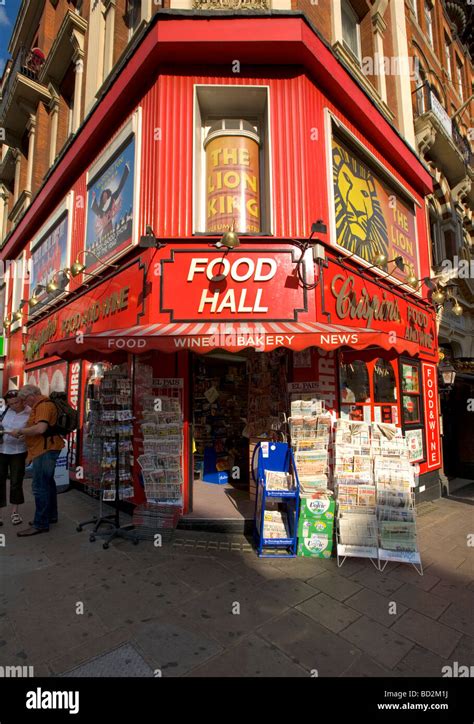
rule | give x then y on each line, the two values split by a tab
370	217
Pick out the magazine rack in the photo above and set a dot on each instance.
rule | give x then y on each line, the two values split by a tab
276	457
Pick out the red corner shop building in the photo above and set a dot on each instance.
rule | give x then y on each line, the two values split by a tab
186	146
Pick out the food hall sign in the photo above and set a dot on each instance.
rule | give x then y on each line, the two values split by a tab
254	285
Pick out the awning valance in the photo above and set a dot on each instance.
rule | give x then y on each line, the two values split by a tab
203	337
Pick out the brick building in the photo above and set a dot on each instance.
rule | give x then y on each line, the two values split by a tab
69	56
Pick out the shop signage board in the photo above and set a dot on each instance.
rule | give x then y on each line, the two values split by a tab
370	216
115	303
247	285
351	300
430	389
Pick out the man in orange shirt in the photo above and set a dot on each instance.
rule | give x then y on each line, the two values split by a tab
43	448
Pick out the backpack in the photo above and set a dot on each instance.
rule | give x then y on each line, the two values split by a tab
68	418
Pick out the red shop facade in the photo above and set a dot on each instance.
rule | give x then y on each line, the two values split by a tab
272	310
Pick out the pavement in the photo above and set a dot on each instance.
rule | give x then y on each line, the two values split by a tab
203	604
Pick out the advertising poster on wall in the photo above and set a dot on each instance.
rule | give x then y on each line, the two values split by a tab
414	440
53	379
370	217
48	257
110	206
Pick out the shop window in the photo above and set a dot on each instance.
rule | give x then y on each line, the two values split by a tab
411	393
355	390
385	387
232	160
350	29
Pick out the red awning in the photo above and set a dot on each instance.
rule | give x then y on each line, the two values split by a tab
203	337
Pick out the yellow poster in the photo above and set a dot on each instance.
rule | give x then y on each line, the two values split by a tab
370	217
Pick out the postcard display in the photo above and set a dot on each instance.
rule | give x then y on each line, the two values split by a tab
159	439
110	414
374	482
310	430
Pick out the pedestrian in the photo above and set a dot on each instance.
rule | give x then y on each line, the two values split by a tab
13	453
43	447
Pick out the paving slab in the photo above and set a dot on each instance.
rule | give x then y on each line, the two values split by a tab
420	662
200	574
408	574
329	612
460	617
230	612
253	656
426	632
47	631
366	667
377	607
423	601
291	591
128	599
383	644
375	580
174	649
464	651
454	593
309	644
75	656
334	585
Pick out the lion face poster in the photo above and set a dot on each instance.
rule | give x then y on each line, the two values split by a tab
370	217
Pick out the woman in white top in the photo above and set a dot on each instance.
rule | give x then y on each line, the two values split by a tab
12	453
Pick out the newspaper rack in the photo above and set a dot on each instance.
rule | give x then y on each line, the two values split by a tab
276	457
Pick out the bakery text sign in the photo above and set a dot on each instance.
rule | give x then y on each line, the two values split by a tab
246	285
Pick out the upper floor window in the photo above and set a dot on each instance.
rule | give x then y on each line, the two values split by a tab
350	28
414	5
447	50
429	21
420	90
133	15
459	78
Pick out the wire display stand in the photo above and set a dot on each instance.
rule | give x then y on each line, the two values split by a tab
107	451
374	481
396	513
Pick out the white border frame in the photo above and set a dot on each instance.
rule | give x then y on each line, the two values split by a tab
331	121
66	207
198	204
133	127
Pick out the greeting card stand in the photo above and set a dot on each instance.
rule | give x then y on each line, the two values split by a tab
113	520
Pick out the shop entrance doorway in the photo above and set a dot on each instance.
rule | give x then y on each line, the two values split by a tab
236	400
220	388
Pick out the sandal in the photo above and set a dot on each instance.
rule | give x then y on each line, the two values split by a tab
16	519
